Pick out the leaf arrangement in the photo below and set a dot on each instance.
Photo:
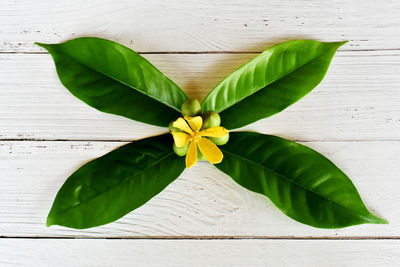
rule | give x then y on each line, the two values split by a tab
110	77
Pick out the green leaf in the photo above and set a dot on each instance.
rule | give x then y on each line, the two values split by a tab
109	187
114	79
271	82
302	183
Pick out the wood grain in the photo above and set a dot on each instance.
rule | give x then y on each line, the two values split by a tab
206	25
358	99
353	118
217	253
202	202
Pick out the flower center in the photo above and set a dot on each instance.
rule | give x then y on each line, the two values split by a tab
195	135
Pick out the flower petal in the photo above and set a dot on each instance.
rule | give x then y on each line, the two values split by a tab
181	139
214	132
181	124
210	150
191	156
194	122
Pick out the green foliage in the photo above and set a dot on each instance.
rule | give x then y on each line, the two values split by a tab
302	183
272	81
109	187
114	79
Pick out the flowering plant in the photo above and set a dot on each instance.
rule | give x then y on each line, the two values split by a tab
302	183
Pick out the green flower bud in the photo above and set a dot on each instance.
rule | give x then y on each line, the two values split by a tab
180	151
191	107
172	128
210	119
219	141
200	155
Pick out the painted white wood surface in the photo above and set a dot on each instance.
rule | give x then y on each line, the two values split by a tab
358	99
201	202
353	118
200	25
213	253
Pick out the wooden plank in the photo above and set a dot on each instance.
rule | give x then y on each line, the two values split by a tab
358	100
201	202
92	252
205	25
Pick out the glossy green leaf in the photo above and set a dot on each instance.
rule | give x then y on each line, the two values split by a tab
272	81
114	79
109	187
302	183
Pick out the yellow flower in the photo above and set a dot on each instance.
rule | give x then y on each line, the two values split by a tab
191	133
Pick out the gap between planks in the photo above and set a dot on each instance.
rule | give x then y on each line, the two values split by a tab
125	141
350	238
205	52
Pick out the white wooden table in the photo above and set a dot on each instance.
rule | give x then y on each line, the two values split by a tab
204	218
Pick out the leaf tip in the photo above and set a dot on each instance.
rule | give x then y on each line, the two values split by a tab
381	221
336	45
376	220
45	46
49	221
